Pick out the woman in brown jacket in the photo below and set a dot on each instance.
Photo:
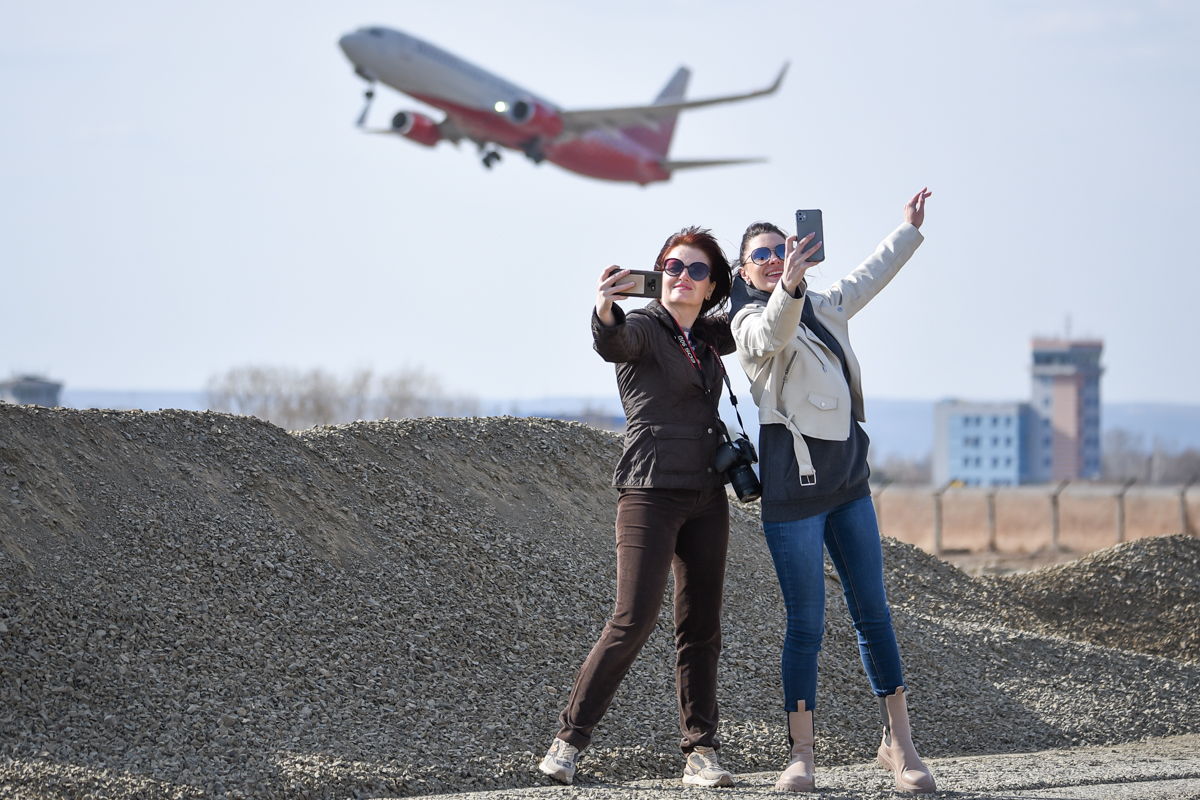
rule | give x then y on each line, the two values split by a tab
672	511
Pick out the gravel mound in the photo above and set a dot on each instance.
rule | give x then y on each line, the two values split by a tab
200	605
1142	595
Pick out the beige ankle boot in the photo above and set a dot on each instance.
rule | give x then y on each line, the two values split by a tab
798	776
897	753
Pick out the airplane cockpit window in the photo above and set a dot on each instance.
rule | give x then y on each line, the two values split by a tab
375	31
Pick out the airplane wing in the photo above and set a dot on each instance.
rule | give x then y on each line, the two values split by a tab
672	166
633	116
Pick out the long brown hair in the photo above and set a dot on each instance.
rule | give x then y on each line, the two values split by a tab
719	269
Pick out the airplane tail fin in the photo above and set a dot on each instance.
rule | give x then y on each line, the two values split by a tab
657	136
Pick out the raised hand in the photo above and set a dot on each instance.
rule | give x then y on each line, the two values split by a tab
796	263
914	209
606	289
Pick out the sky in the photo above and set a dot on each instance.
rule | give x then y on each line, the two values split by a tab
182	189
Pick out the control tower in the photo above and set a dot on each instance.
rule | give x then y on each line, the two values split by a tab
1065	441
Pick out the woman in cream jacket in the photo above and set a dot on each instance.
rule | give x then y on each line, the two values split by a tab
794	346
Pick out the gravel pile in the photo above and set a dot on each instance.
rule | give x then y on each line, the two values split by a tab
1142	595
200	605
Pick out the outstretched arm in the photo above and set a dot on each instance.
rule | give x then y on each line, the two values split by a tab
856	289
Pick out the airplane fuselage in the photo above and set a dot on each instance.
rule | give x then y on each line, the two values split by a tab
490	110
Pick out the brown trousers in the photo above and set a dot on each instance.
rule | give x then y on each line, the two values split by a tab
660	530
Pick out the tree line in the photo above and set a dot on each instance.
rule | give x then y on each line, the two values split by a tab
295	399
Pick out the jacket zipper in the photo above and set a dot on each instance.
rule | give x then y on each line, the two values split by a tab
788	369
816	351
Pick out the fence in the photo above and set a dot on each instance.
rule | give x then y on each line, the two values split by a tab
1026	519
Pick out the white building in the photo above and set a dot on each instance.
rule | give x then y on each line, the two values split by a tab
981	444
1054	437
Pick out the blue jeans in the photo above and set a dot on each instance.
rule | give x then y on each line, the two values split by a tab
851	534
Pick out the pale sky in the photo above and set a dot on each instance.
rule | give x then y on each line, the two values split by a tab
182	189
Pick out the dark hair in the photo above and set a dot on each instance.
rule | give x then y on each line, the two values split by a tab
754	230
719	269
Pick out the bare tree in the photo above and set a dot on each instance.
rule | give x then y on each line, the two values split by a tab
295	400
902	470
408	393
357	395
1126	457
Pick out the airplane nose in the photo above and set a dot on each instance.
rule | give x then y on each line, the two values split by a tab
351	45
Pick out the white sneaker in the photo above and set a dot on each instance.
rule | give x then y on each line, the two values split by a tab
703	770
559	762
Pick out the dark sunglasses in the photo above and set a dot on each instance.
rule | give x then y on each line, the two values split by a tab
674	267
761	255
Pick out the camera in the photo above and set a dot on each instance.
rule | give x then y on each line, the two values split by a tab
734	458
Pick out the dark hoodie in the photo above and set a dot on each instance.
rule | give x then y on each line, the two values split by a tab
841	467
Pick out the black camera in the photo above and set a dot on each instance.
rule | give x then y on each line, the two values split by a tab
734	458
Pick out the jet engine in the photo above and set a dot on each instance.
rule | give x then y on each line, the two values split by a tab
418	127
536	118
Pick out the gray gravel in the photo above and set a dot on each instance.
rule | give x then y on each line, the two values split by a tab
200	605
1120	597
1161	769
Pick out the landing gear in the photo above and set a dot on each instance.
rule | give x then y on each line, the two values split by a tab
490	158
369	95
533	149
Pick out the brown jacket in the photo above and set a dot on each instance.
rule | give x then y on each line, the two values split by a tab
671	435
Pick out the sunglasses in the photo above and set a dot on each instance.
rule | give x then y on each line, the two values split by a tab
761	255
674	267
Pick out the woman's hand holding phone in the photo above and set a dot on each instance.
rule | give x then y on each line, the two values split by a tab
605	291
796	263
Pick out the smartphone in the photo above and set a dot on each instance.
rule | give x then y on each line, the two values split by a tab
645	284
809	221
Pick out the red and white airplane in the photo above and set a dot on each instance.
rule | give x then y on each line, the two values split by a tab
616	144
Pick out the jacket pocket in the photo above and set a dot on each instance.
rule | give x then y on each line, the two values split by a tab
822	401
679	448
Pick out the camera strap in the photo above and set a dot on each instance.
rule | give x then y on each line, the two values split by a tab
686	346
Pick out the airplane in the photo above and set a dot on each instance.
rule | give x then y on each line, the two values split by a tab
626	144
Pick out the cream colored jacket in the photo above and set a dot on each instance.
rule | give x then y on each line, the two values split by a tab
794	377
